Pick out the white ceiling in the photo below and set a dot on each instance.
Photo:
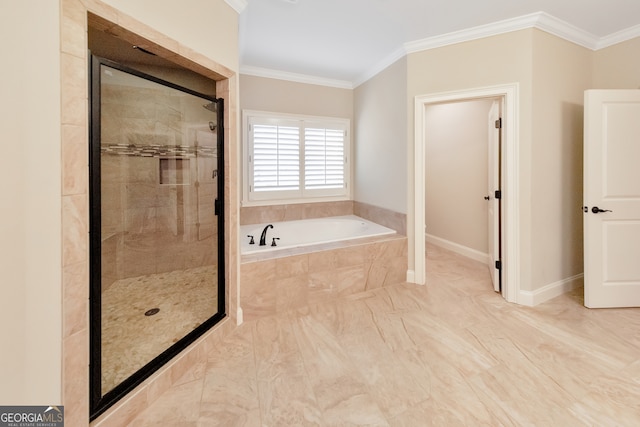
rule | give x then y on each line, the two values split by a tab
348	40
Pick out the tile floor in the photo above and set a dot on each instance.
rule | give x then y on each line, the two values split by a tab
130	340
451	353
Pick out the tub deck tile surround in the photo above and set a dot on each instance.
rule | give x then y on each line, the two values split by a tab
394	220
276	282
276	213
292	212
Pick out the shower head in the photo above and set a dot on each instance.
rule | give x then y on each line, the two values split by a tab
143	50
210	106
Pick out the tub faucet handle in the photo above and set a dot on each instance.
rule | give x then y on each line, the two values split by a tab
251	242
273	242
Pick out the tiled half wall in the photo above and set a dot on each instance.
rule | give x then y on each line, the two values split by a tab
278	285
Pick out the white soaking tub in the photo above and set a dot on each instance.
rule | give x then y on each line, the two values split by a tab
308	232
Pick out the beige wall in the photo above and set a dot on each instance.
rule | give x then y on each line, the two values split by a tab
498	60
281	96
552	76
618	66
456	176
380	139
30	218
208	27
561	74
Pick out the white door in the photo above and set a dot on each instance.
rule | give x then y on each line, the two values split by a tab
612	198
492	186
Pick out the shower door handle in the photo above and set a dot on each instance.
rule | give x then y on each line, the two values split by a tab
217	206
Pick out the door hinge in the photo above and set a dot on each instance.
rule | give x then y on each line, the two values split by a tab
498	265
498	194
498	123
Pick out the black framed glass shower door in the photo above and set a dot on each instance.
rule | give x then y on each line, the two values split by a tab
156	224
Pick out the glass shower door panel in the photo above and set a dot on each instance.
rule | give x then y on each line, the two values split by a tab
159	233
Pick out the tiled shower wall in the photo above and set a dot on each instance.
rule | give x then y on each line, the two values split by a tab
157	189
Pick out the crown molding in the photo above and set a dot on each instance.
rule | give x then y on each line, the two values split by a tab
469	34
294	77
564	30
619	37
237	5
540	20
381	66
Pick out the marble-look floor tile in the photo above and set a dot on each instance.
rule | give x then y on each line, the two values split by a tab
230	386
276	350
450	353
341	392
612	399
179	406
392	385
288	401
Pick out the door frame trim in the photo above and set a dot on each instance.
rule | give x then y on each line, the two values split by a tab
509	93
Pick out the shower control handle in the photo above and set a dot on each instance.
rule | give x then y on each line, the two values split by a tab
273	242
251	242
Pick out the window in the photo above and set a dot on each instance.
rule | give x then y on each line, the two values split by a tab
291	157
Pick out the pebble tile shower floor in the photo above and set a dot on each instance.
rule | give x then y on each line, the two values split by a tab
130	339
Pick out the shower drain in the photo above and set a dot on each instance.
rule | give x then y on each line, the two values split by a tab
151	312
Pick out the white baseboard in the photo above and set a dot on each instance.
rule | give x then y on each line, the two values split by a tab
459	249
239	316
552	290
411	276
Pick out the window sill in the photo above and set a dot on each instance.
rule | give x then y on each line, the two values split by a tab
252	203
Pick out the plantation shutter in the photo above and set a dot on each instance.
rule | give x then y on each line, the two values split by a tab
295	158
324	158
276	157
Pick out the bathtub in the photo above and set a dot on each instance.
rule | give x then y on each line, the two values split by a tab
308	232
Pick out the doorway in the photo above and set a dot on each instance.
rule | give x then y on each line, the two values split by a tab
462	185
508	169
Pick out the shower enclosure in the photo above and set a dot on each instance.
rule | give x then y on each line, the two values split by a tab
157	234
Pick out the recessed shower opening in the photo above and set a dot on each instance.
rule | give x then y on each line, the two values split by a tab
157	226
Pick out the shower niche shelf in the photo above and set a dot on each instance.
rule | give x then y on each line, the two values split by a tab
175	171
